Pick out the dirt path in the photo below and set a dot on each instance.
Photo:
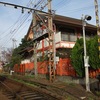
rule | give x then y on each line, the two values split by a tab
2	97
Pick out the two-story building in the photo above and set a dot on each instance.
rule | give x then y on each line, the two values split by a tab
67	31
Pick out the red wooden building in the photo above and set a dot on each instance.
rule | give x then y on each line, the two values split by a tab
67	31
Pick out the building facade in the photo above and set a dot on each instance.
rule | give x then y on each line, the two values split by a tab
67	31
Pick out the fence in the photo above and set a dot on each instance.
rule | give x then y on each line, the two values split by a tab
94	73
63	68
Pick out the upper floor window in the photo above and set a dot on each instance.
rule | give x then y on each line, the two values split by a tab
68	35
64	36
88	34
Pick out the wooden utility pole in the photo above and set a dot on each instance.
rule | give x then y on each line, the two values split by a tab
97	23
35	59
51	37
51	44
35	44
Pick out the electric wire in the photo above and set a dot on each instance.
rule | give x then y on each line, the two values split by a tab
14	30
61	4
79	9
12	33
12	26
24	26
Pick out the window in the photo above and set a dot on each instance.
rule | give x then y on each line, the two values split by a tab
88	34
72	37
64	36
68	34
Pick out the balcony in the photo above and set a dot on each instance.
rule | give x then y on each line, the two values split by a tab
60	43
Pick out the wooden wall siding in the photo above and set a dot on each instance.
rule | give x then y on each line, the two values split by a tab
63	68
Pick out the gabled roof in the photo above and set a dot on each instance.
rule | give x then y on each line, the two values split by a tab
63	20
70	21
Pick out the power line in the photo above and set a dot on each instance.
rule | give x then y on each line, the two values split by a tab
12	33
61	3
16	29
12	30
79	9
11	36
12	26
22	7
22	29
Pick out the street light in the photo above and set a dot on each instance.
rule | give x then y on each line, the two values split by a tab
86	58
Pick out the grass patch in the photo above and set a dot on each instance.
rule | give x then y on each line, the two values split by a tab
98	93
71	84
24	82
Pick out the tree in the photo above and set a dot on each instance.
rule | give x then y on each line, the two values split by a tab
77	55
93	52
77	58
16	56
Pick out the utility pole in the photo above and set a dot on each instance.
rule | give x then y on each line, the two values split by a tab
14	43
51	44
97	23
35	44
86	58
35	59
50	35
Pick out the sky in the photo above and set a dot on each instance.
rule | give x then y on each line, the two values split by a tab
14	24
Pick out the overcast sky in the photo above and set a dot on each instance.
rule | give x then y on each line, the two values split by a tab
14	24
